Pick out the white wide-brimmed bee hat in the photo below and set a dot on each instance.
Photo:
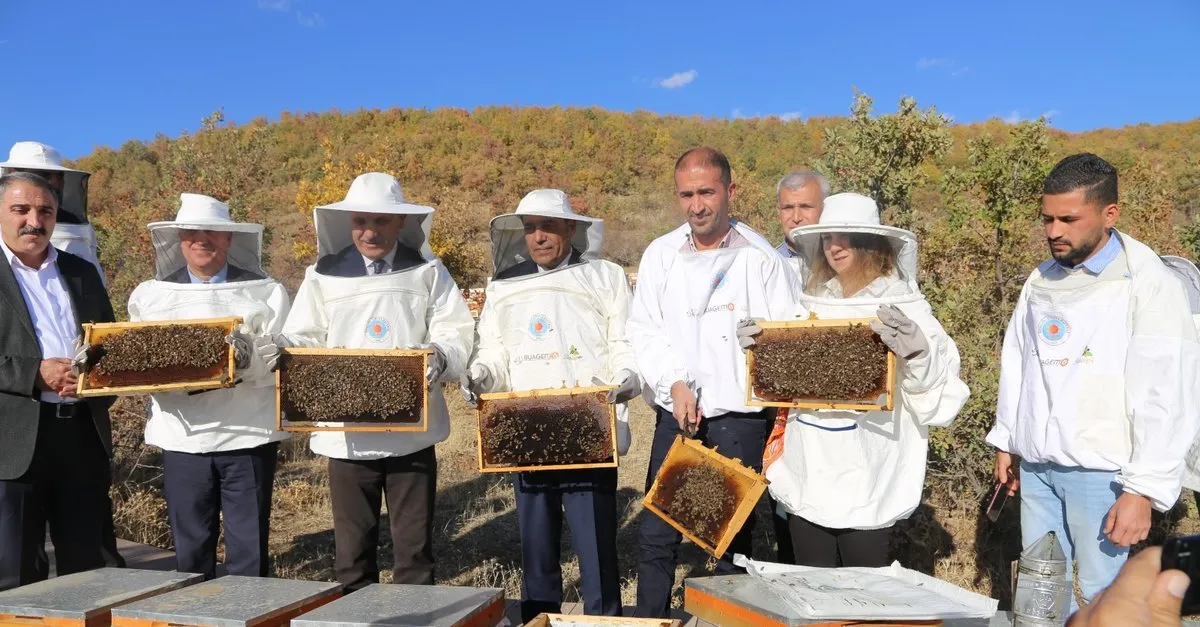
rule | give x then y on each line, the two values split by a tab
39	156
373	192
198	212
508	231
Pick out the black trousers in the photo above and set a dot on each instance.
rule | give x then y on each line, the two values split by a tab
201	489
832	548
65	487
785	553
590	500
356	488
735	435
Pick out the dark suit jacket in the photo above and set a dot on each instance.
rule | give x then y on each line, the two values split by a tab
234	275
21	356
529	267
348	262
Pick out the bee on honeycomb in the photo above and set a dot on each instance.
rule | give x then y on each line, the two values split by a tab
835	363
321	388
545	432
162	348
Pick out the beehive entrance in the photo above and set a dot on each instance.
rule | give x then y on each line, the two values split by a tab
161	354
545	430
351	388
825	363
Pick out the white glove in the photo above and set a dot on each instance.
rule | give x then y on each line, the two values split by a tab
242	350
268	347
899	332
437	362
477	380
79	361
628	387
747	329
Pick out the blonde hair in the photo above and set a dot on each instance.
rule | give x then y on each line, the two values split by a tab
874	258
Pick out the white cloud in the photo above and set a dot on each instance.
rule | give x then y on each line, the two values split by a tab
1049	115
1013	118
313	20
678	79
786	116
954	68
275	5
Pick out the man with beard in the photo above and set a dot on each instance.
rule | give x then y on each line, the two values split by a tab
694	285
1097	403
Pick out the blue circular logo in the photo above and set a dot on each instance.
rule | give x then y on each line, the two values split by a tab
1054	330
377	329
539	326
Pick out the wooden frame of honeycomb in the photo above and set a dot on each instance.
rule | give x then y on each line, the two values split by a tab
93	383
406	363
881	398
538	400
744	484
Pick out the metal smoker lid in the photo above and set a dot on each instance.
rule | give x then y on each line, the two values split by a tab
402	605
1044	557
230	601
91	593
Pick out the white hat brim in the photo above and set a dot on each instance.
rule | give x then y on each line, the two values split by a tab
392	208
39	166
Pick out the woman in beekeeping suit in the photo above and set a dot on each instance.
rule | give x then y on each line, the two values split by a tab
555	315
72	233
846	477
377	284
219	446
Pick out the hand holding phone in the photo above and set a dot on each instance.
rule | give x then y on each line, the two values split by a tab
1184	554
996	502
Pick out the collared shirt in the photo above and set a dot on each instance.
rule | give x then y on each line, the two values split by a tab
49	306
732	239
785	251
887	285
1100	260
388	259
562	264
220	277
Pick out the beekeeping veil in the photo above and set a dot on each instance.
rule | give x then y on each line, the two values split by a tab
373	192
508	231
39	156
204	213
857	217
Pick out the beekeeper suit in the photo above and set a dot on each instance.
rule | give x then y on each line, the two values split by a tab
72	233
219	446
846	477
1099	378
401	298
547	322
1187	272
682	325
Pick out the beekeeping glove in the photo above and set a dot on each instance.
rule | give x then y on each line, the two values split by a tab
79	361
241	349
436	363
474	382
747	329
899	332
628	387
268	347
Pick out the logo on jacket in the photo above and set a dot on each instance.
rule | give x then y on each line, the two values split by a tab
573	353
1054	330
718	280
378	329
539	326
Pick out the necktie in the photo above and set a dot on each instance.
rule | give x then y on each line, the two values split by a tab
378	266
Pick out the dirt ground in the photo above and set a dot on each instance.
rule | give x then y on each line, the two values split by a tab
476	541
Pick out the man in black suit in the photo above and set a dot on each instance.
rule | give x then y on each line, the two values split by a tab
54	448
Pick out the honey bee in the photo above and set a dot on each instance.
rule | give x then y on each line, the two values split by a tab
170	347
325	388
838	363
545	432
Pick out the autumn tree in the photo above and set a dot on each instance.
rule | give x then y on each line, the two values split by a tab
881	156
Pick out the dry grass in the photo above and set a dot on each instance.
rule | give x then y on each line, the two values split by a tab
476	541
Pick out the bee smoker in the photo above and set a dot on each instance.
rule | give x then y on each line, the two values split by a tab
1043	595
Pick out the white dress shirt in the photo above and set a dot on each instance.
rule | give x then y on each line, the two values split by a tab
49	306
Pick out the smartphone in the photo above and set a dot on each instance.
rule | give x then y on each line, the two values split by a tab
1184	554
996	502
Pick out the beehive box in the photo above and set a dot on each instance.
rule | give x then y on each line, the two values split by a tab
820	364
577	620
401	605
342	389
230	601
534	430
703	494
84	599
129	358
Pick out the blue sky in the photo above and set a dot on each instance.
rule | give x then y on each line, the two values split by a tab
129	69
